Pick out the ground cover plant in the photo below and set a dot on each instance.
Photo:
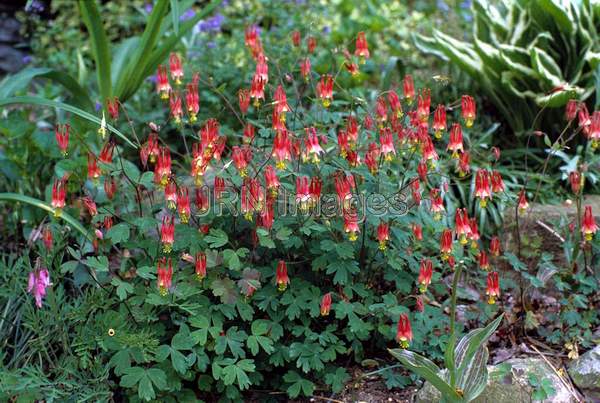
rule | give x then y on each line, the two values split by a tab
256	233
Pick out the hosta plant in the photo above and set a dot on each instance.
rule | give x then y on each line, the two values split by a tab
269	251
527	55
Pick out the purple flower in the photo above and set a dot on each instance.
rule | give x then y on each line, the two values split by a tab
211	44
188	15
39	280
35	6
148	7
442	6
212	24
98	106
26	59
326	29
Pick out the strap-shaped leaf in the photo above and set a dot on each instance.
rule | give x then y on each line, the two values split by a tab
55	104
546	67
459	52
467	347
473	379
426	369
14	197
100	46
561	13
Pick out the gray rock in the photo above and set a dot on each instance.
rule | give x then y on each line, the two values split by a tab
509	383
585	372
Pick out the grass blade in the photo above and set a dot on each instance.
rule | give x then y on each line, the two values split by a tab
70	108
100	46
45	206
175	15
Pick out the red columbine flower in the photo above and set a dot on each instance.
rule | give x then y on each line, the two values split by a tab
576	180
523	205
383	235
437	204
262	68
404	333
315	190
47	237
326	304
325	90
351	224
162	82
463	166
296	38
446	244
167	234
351	67
497	182
468	110
493	287
362	48
381	111
422	170
59	194
419	306
183	205
249	132
496	153
302	192
588	225
219	187
113	107
474	234
456	140
152	147
571	109
92	165
311	44
428	151
343	186
395	104
282	149
482	187
162	170
192	100
416	191
281	105
251	36
204	229
257	90
386	138
409	89
164	268
171	195
594	130
175	68
200	265
462	226
417	232
107	223
271	180
201	199
305	68
241	157
372	158
352	130
313	148
110	187
61	132
175	105
439	121
424	106
281	276
425	273
495	246
584	118
244	100
484	261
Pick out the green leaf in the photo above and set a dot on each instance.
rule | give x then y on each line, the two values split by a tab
120	361
175	15
337	379
100	46
178	361
216	238
237	372
66	107
118	233
428	370
298	385
99	263
123	288
132	376
474	340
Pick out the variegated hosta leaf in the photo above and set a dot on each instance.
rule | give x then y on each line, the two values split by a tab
428	370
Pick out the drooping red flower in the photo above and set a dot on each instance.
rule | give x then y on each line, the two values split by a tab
302	192
422	170
386	139
419	305
326	304
464	164
112	105
313	148
311	42
92	167
257	90
571	109
383	234
106	154
171	194
271	180
296	38
351	224
164	270
381	111
395	104
314	189
523	205
404	332
474	233
409	89
244	100
325	90
183	205
281	276
362	47
462	226
493	287
59	194
446	244
497	182
200	265
167	233
439	121
47	237
351	67
416	191
110	187
425	273
437	204
417	231
219	187
305	68
495	153
175	106
594	129
495	246
241	156
162	170
175	68
584	118
372	158
484	261
282	149
192	100
61	132
107	223
588	225
162	82
468	110
482	187
456	140
576	180
201	200
424	106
